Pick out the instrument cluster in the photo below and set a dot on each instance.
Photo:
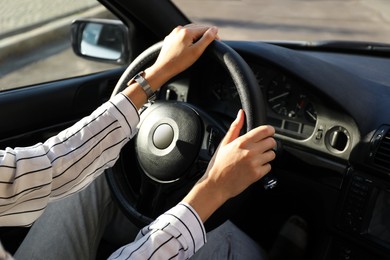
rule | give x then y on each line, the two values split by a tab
291	108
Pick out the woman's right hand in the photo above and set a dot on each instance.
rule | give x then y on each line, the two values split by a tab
238	162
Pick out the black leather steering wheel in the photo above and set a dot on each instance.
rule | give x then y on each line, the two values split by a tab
175	142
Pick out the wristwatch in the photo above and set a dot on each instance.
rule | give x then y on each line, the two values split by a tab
139	78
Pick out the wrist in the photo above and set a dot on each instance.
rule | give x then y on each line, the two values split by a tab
144	84
156	77
204	200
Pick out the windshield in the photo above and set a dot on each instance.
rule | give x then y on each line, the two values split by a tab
293	20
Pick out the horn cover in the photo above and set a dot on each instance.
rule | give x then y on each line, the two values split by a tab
168	140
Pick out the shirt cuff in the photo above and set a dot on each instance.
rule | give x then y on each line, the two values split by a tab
185	224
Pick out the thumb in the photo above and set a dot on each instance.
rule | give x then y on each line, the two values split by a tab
235	128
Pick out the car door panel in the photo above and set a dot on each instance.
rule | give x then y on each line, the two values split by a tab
33	114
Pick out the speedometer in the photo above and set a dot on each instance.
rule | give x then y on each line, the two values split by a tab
280	95
289	100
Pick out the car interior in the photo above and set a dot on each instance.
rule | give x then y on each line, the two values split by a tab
328	103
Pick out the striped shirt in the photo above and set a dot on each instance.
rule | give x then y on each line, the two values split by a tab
31	177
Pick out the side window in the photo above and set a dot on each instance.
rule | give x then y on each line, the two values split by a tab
35	42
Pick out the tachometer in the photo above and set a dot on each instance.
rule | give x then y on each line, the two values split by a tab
279	95
310	113
289	100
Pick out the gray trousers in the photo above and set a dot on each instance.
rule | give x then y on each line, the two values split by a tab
73	227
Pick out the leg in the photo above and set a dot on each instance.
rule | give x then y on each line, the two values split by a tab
229	242
71	228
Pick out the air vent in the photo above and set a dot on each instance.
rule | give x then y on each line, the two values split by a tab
382	152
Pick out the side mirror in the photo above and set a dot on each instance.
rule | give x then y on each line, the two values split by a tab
100	40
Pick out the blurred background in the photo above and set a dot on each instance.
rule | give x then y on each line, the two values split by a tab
35	40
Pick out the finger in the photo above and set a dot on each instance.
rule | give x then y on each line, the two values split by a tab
204	27
264	145
264	170
259	133
260	171
204	36
267	157
235	128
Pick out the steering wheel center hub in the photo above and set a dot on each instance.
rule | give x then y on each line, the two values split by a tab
163	136
168	140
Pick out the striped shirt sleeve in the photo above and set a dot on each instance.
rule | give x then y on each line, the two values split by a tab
32	176
176	234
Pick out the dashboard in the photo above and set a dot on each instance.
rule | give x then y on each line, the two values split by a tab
330	111
302	116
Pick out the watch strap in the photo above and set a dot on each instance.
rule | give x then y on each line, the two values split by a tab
139	78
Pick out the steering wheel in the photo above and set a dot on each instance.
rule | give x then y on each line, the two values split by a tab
176	141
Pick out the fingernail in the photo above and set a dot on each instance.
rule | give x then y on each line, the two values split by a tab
238	114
